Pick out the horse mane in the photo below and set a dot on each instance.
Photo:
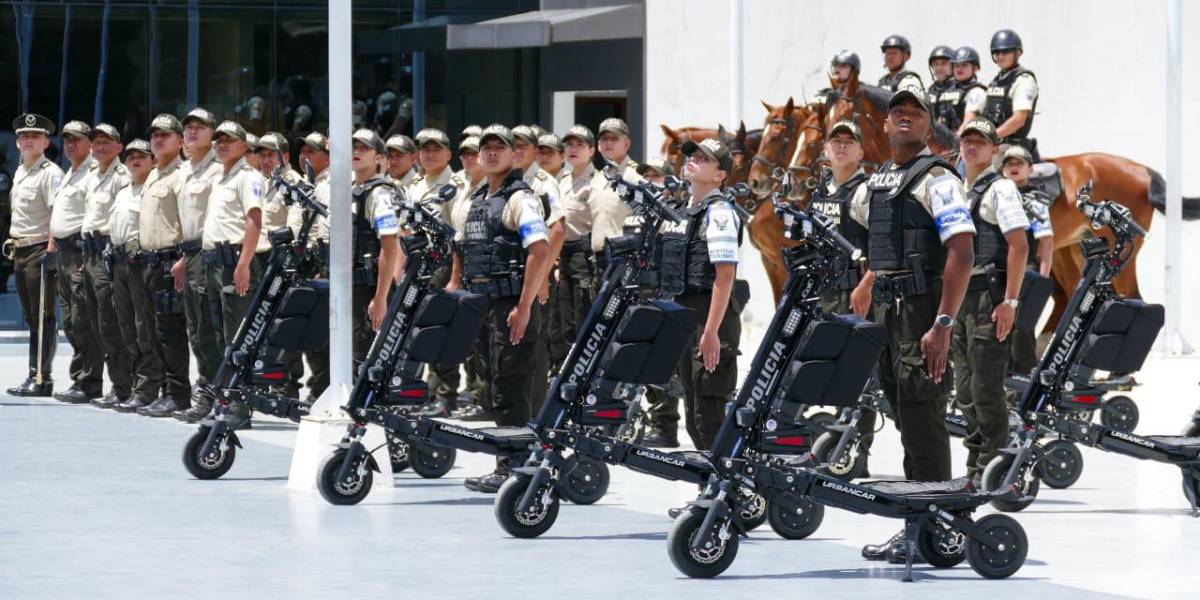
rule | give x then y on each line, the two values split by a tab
878	96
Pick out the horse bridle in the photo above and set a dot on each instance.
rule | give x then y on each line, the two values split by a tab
804	173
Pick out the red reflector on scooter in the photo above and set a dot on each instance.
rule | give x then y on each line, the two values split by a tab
609	414
795	440
413	393
273	375
1087	399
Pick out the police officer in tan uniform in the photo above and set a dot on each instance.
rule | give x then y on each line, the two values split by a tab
252	145
550	156
66	221
401	158
608	211
102	185
314	153
134	307
34	185
201	304
576	271
159	234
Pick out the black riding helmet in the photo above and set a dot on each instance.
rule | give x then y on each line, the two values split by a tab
846	57
966	54
942	51
896	41
1006	39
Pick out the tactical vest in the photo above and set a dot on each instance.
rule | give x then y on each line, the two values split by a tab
999	106
951	104
836	206
366	242
699	273
1032	260
989	242
493	257
899	226
889	82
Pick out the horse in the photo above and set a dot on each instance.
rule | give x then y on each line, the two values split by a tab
743	143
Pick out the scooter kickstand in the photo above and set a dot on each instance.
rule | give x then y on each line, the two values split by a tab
909	547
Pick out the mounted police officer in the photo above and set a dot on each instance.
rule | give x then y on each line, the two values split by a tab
981	332
506	255
964	100
896	52
843	67
942	72
1012	95
1016	164
33	188
919	252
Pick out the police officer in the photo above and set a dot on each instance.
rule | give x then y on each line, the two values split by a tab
1016	164
608	211
980	343
66	220
102	185
402	157
134	307
896	52
576	271
708	369
201	303
252	145
964	100
159	233
376	239
919	251
6	265
942	74
1012	95
314	152
34	185
843	67
506	225
433	153
656	170
550	156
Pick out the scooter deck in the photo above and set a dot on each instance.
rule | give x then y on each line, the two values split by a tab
487	440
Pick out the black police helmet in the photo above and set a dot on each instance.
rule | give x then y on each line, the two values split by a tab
1006	39
966	54
846	57
896	41
941	52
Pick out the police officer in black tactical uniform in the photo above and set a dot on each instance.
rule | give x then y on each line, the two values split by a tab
506	255
1012	95
919	251
896	52
942	72
964	100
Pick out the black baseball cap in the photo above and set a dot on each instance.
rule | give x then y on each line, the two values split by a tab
713	149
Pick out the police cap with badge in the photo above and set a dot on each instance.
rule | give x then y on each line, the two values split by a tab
33	123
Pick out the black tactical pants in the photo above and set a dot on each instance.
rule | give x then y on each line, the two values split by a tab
204	330
29	270
87	358
98	292
981	363
920	404
170	325
705	393
135	318
511	366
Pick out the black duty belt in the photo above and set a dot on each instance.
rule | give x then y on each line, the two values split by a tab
189	247
574	246
93	243
890	289
71	243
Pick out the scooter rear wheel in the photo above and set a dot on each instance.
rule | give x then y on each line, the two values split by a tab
1004	561
1061	464
432	463
584	481
530	524
207	467
1120	413
710	561
342	493
1026	488
847	467
821	421
798	523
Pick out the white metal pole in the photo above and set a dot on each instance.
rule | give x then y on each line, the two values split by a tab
735	64
1174	342
340	103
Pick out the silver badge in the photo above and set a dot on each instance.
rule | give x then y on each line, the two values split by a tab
30	120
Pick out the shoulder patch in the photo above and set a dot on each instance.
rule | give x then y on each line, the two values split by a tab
937	171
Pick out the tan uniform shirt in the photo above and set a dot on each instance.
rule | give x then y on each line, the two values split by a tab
576	203
231	198
123	221
31	198
66	218
425	190
545	186
405	181
460	207
275	213
608	211
102	187
158	225
196	182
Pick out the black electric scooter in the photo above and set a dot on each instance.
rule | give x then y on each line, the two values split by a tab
806	358
1099	331
289	312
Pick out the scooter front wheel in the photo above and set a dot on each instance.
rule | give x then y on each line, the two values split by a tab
584	480
1024	490
941	546
211	466
795	523
343	492
432	463
847	467
528	524
1061	464
716	554
1120	413
753	512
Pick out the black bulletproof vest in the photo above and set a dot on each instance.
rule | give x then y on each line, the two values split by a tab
951	105
999	105
491	251
898	225
1032	216
366	242
699	273
889	82
989	242
836	206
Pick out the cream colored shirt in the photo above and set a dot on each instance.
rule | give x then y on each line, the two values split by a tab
66	217
158	225
230	200
576	203
405	181
196	186
608	211
295	218
123	221
102	189
31	198
544	185
425	190
275	213
460	207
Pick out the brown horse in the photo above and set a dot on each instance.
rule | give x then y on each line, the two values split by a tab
741	144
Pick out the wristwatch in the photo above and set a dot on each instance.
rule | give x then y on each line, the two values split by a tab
944	321
1013	302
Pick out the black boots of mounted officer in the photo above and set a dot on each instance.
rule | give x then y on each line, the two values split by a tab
30	387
